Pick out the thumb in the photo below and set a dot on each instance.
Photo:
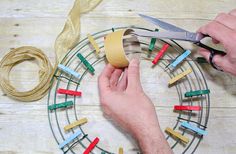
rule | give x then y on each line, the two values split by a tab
218	60
133	75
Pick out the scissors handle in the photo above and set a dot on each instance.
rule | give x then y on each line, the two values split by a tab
212	50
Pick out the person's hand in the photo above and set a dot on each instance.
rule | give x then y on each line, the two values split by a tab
222	30
122	98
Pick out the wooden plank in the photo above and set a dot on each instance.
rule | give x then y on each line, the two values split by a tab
182	9
25	23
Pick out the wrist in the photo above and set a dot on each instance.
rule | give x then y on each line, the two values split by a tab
152	141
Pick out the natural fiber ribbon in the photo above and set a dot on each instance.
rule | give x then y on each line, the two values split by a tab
17	56
65	41
120	48
70	35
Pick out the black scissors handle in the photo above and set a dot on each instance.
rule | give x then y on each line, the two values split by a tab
213	52
200	44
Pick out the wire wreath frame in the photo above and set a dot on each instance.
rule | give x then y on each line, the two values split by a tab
195	81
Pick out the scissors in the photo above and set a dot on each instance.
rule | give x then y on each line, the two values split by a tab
176	33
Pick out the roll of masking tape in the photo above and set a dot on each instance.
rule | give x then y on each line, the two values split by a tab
121	47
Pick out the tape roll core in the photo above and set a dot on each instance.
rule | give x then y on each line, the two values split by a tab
120	50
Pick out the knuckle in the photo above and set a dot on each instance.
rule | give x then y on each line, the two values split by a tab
211	25
233	11
220	16
234	36
218	62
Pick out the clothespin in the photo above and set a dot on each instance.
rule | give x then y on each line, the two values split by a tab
61	105
194	128
69	92
76	123
178	60
160	53
191	108
152	43
93	43
103	152
177	135
86	63
91	146
70	139
68	70
180	76
121	151
112	29
196	93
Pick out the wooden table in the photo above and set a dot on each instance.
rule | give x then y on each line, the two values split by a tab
24	127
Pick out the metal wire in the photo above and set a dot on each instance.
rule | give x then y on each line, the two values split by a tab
196	81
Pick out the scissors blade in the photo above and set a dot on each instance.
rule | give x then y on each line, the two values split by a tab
162	24
184	36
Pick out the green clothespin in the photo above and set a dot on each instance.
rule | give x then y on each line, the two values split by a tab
86	63
103	152
196	93
61	105
112	29
152	43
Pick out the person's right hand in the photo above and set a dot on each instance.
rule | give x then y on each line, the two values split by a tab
222	30
123	99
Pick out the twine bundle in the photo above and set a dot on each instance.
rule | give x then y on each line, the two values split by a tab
65	41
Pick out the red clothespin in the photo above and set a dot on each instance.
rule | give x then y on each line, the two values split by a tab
91	146
160	53
69	92
195	108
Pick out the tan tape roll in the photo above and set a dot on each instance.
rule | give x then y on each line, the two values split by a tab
117	48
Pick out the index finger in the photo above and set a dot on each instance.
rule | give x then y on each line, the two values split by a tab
104	78
217	31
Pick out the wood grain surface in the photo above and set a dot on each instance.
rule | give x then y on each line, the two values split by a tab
24	127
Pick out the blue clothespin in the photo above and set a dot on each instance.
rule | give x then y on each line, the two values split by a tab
70	139
68	70
194	128
178	60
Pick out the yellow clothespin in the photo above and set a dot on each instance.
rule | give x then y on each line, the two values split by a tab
121	151
179	76
177	135
76	123
94	44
